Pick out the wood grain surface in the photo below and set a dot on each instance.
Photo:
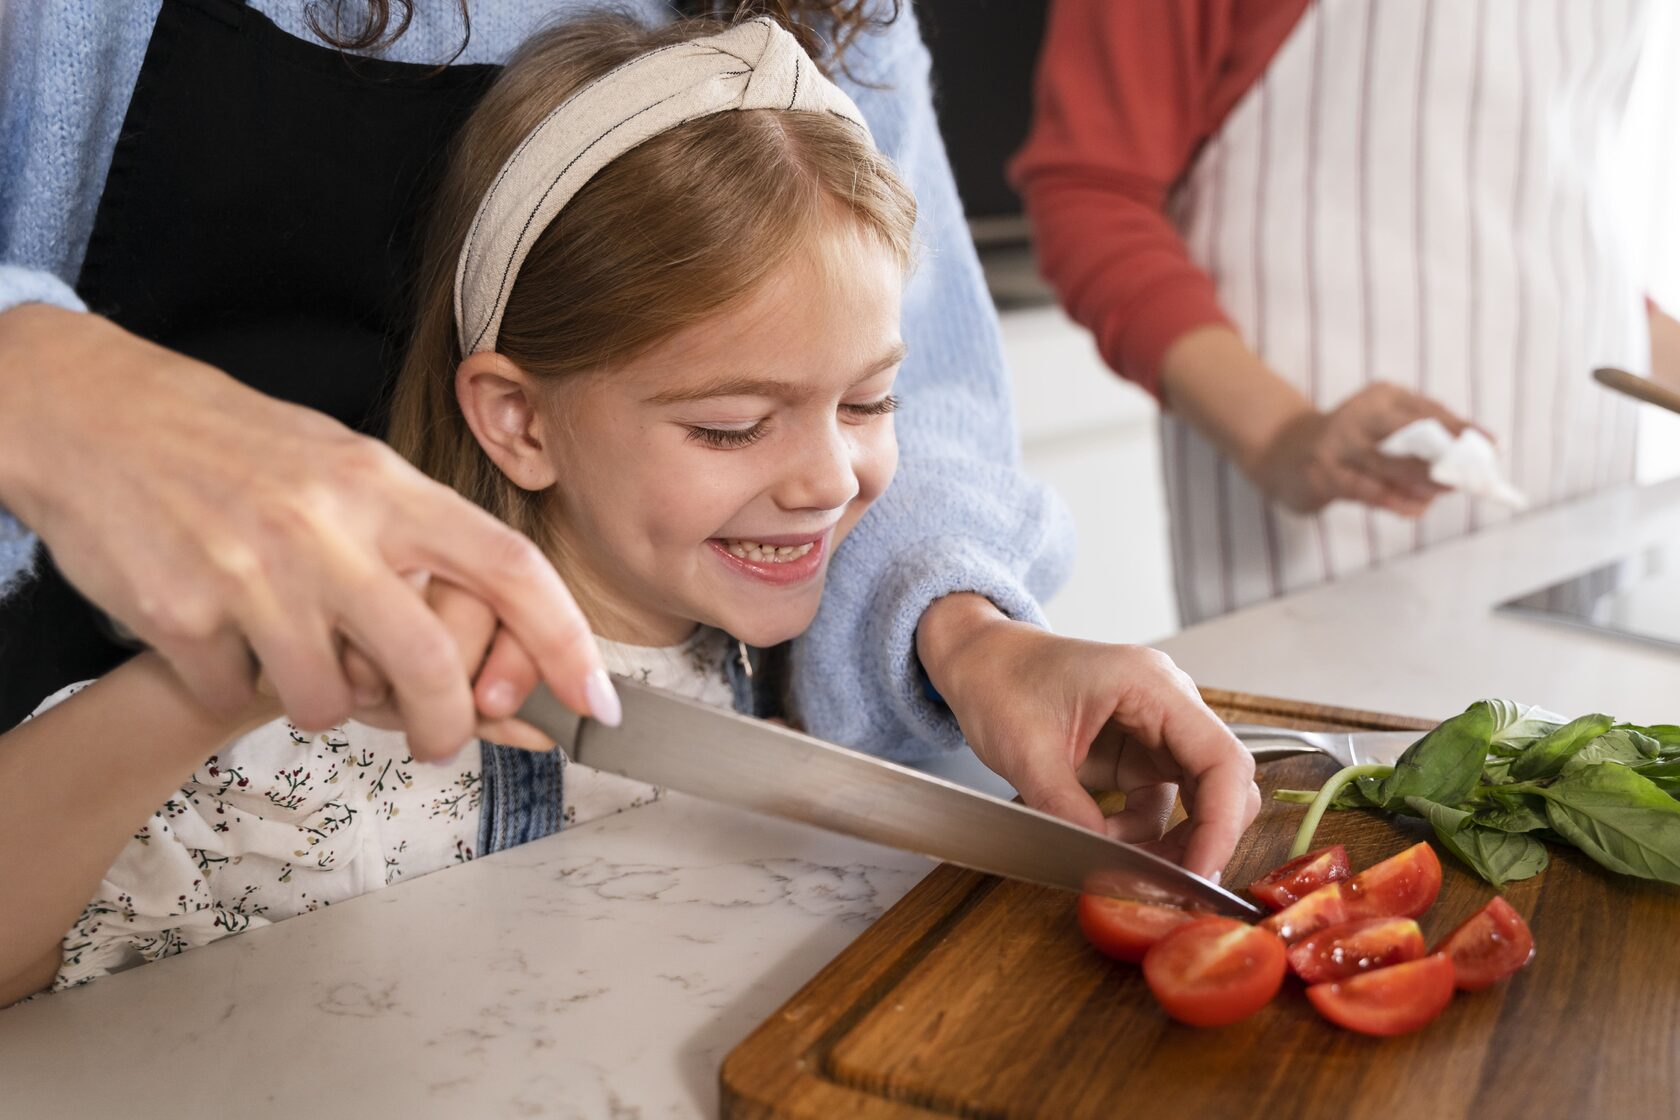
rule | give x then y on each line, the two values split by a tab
978	997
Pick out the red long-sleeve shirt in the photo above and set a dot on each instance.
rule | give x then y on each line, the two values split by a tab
1127	92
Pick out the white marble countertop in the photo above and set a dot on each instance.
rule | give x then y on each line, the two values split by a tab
605	972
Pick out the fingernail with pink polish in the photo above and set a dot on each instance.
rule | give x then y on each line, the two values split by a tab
603	698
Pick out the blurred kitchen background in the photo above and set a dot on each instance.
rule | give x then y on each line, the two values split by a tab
1091	435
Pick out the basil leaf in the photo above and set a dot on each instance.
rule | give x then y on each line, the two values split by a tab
1445	764
1513	812
1547	756
1663	773
1498	857
1620	744
1666	734
1497	771
1515	725
1619	818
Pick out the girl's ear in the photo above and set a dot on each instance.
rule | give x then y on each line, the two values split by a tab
499	401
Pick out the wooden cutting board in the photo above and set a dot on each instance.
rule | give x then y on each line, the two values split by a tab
977	997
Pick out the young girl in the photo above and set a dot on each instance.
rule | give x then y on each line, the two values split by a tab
657	329
679	384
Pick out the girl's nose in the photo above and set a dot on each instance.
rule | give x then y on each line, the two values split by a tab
820	475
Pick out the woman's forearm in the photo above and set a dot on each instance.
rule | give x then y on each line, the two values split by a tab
1220	387
78	780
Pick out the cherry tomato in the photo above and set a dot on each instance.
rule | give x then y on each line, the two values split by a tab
1389	1001
1401	886
1492	943
1214	971
1124	929
1354	947
1301	876
1318	910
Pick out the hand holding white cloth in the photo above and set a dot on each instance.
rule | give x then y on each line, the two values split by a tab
1468	463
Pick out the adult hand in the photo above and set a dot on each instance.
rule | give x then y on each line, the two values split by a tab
472	626
217	524
1056	715
1320	457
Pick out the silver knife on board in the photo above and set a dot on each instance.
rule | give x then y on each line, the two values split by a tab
723	756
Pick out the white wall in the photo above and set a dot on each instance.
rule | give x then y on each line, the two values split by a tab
1092	437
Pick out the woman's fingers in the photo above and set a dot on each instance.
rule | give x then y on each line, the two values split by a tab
508	572
395	627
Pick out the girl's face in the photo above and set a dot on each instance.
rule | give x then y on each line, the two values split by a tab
711	479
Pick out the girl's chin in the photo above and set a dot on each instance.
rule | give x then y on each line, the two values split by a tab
763	631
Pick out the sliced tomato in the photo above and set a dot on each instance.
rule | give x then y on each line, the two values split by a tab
1214	971
1493	943
1301	876
1401	886
1124	929
1389	1001
1320	909
1354	947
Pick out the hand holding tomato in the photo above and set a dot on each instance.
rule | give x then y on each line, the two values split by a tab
1055	716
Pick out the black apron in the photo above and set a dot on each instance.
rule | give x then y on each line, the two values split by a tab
260	215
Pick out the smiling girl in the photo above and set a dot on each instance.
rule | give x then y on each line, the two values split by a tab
657	329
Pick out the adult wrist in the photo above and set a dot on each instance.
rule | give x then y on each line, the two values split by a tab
22	329
1224	390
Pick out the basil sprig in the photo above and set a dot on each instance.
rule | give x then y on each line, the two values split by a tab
1499	778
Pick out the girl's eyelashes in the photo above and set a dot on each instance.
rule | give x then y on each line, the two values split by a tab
742	437
726	437
882	407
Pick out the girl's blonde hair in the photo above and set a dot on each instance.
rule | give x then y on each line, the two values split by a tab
664	237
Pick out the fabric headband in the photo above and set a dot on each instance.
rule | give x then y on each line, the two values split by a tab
754	65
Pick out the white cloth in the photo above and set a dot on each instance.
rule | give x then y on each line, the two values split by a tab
279	822
1468	463
1417	193
754	65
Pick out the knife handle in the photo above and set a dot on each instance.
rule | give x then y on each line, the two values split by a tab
543	710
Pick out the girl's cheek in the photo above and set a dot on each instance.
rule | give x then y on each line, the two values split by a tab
877	465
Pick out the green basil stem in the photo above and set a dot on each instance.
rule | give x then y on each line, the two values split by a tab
1327	794
1295	796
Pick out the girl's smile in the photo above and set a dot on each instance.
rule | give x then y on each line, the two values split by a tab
780	561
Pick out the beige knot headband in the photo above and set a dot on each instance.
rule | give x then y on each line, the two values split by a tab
754	65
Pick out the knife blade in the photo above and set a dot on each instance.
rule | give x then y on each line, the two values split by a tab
723	756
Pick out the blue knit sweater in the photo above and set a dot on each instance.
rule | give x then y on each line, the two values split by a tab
958	516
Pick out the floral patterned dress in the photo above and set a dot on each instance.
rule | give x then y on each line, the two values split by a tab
280	822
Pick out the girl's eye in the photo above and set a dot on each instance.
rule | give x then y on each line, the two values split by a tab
882	407
727	437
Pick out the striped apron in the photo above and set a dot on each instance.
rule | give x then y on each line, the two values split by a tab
1416	192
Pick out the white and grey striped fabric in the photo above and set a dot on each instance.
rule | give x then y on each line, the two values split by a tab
1416	192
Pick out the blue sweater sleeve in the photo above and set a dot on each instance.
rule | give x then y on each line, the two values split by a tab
960	515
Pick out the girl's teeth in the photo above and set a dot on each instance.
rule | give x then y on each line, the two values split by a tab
767	553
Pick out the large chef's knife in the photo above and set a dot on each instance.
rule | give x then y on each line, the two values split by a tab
682	744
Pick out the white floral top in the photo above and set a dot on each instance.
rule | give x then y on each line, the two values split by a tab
279	822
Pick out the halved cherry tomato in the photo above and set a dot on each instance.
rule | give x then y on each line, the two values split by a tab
1354	947
1214	971
1492	943
1401	886
1320	909
1301	876
1389	1001
1124	929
